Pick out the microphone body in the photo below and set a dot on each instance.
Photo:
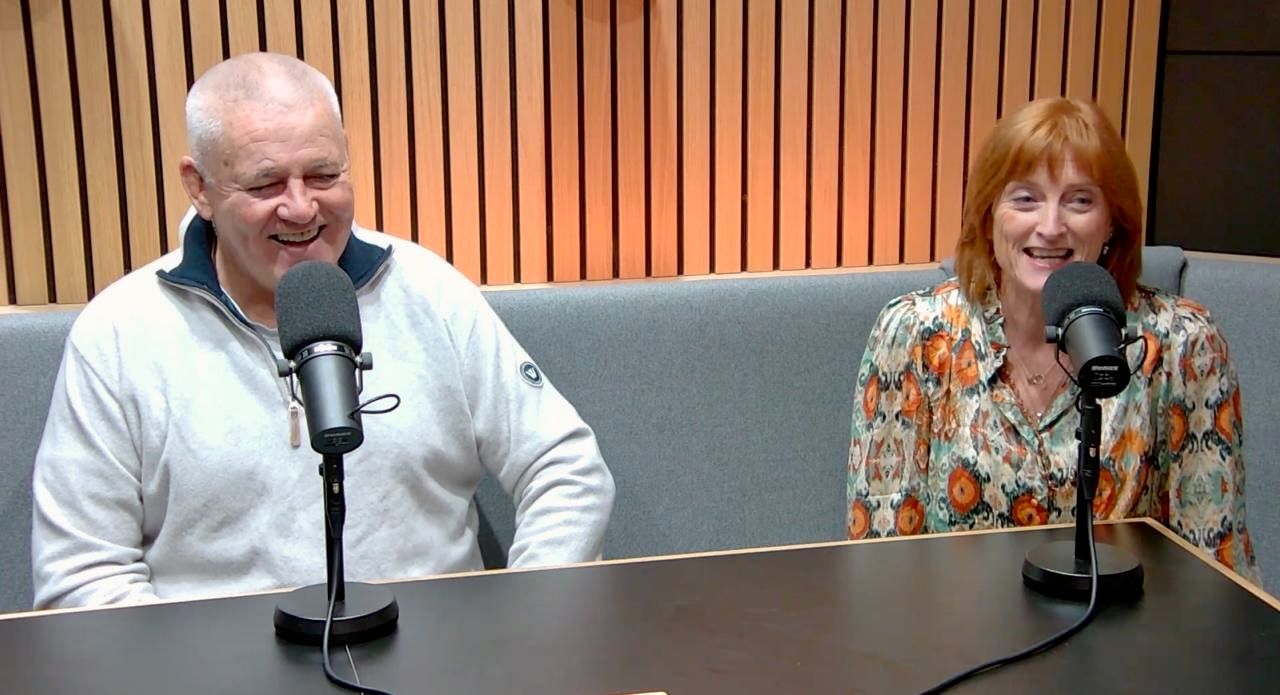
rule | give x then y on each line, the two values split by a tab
327	374
1085	316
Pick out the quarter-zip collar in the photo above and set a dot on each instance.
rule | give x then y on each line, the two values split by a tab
360	260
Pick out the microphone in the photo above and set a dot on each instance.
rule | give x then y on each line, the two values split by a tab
1084	315
319	324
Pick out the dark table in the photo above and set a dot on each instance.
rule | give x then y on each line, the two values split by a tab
879	617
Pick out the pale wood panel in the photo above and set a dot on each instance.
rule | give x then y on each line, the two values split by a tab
133	73
727	160
97	113
891	30
824	151
632	244
428	126
793	131
171	93
1051	26
464	164
205	20
856	193
353	48
1018	30
1113	46
1081	35
663	178
985	79
393	117
277	16
17	123
695	213
566	247
760	135
952	104
499	214
242	26
531	147
597	137
317	36
1143	57
918	188
58	135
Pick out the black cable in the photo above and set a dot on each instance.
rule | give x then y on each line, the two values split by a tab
1053	641
328	625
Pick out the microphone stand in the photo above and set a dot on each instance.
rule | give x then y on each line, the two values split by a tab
1063	568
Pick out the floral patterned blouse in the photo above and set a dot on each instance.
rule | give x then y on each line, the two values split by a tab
940	441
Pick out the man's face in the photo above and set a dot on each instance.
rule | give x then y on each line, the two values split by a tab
278	193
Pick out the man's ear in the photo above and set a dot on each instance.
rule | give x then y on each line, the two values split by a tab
197	188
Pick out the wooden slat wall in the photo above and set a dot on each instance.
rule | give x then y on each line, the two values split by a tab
560	140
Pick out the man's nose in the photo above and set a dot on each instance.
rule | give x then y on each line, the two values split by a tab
296	203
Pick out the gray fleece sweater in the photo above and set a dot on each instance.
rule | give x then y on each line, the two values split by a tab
167	467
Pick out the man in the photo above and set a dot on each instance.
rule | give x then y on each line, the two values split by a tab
173	462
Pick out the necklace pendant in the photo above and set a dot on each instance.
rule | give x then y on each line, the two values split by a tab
1035	379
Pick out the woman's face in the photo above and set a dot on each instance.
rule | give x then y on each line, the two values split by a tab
1042	222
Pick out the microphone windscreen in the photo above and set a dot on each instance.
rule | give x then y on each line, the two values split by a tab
1080	284
315	301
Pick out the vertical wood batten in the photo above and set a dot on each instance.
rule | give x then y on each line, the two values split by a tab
132	75
891	28
242	26
824	127
1018	30
1143	56
498	195
858	99
353	47
761	130
1051	27
952	105
695	213
793	130
984	79
531	142
1082	35
171	90
205	20
464	163
279	22
57	125
17	123
428	126
597	137
727	159
921	81
317	37
393	117
663	165
562	39
629	91
97	114
1113	47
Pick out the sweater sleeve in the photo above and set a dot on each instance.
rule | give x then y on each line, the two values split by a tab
536	445
1203	500
86	541
889	434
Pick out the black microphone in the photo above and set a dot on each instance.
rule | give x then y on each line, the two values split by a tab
319	324
1084	315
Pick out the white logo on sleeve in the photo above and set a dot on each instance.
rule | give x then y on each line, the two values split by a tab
530	373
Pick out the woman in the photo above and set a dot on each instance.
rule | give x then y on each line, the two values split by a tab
964	419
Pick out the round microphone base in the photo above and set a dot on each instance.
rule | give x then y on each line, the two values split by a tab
1053	569
368	612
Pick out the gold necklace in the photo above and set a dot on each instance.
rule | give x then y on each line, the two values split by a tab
1032	379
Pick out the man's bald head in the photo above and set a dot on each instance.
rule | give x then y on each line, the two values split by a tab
255	81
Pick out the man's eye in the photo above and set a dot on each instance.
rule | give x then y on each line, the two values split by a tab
323	179
263	189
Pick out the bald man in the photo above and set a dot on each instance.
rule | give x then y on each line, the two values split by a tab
171	464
